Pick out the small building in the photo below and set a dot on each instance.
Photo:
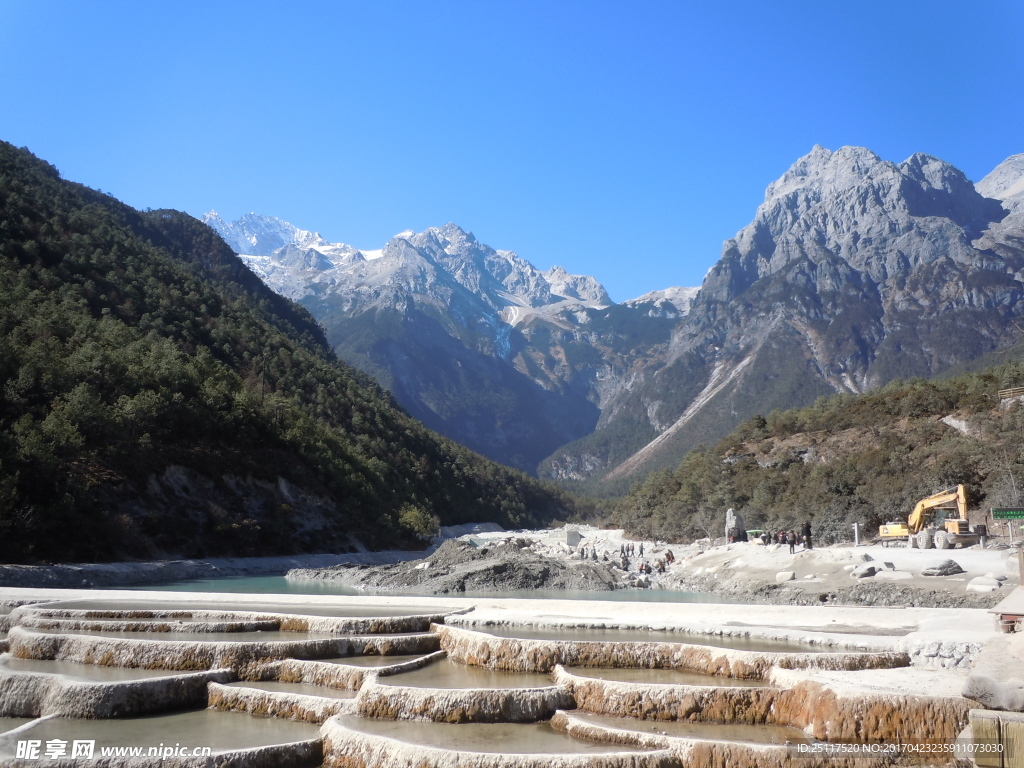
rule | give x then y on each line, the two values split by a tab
568	536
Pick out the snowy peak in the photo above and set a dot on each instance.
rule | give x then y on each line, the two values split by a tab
297	263
677	298
581	287
258	235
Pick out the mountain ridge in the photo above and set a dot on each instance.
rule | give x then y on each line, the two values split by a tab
451	327
862	270
854	270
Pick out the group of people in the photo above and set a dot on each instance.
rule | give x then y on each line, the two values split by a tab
791	537
593	554
626	552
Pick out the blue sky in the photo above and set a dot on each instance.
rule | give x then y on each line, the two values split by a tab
625	140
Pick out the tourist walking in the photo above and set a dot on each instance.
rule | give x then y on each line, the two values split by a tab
791	540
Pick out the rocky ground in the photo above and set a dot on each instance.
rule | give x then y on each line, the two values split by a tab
742	572
848	575
457	566
488	560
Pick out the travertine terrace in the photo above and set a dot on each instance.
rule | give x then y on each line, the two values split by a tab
807	675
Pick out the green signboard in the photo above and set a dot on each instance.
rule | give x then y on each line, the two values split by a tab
1007	514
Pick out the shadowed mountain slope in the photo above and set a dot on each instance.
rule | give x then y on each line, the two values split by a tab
158	400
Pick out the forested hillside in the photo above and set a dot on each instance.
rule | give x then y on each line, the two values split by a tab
157	400
864	458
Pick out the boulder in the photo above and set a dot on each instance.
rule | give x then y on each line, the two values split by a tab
943	568
863	571
865	557
733	520
782	576
997	577
893	576
984	584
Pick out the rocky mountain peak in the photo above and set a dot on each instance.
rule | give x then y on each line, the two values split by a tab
821	167
580	287
852	210
257	235
1006	181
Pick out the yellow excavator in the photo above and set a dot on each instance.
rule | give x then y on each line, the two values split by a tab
939	521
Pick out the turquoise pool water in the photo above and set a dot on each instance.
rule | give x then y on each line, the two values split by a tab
279	585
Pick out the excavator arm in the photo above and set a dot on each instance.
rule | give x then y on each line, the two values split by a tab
951	498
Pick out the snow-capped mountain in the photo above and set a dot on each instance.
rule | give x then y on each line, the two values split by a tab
452	327
297	263
669	302
258	235
854	271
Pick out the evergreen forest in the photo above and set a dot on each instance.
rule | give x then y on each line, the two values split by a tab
846	459
157	400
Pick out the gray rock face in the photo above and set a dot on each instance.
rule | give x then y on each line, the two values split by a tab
1005	182
448	323
733	520
943	568
854	271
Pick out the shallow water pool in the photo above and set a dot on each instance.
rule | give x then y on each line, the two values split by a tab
507	738
341	611
301	688
266	585
650	636
757	734
445	673
269	636
663	677
371	661
10	723
91	673
222	731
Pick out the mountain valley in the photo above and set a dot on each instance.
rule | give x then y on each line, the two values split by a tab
855	271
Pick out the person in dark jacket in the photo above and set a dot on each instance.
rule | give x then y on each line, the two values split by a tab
806	531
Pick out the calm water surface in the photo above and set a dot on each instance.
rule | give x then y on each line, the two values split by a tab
279	585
